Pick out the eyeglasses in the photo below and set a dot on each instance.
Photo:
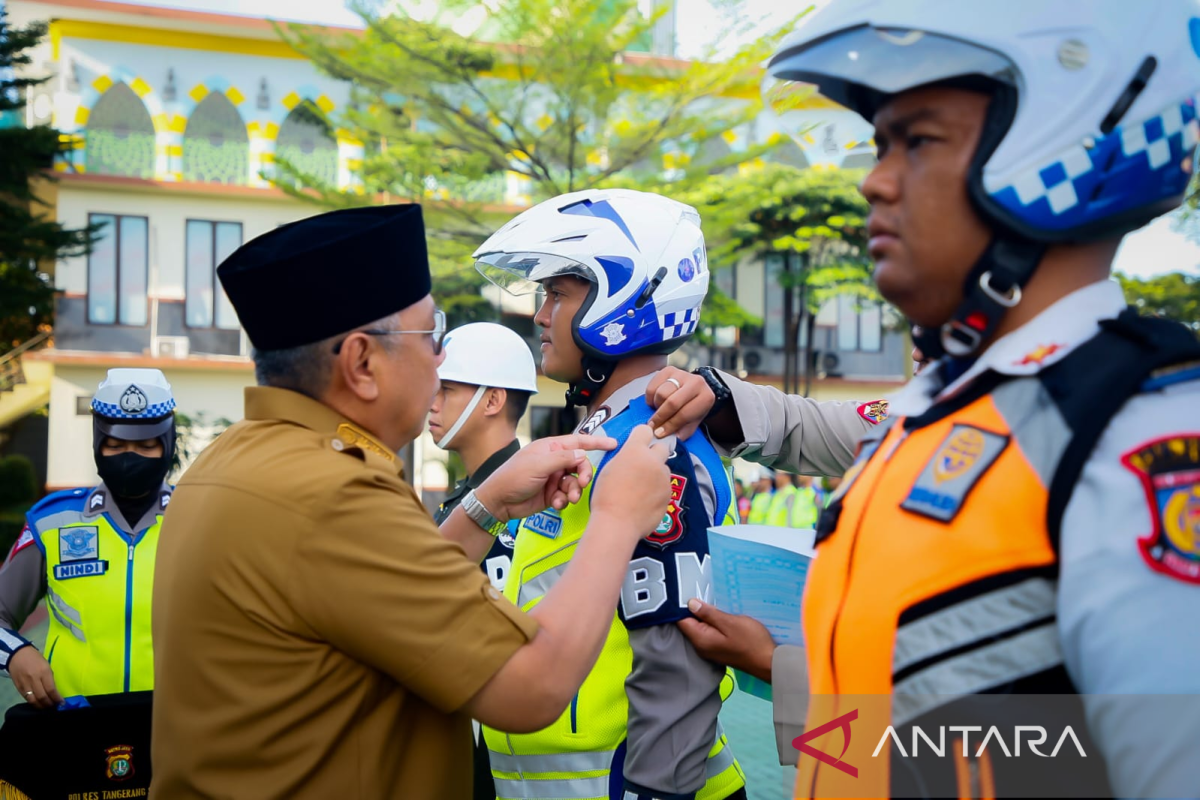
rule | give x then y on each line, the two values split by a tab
438	333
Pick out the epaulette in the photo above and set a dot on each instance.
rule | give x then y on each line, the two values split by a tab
59	501
1169	376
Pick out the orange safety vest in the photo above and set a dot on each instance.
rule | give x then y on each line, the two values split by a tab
937	578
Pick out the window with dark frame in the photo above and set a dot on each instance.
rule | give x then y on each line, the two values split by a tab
206	244
118	271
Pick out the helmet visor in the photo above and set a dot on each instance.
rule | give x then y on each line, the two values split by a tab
861	67
522	273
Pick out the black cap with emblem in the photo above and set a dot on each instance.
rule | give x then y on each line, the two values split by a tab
329	274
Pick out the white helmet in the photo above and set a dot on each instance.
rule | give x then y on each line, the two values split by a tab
1089	134
643	253
485	354
134	404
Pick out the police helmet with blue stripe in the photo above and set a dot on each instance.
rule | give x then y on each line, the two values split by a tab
134	405
1089	134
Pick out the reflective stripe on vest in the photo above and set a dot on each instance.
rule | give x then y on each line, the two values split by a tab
961	502
98	593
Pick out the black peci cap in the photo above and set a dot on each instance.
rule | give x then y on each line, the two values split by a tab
329	274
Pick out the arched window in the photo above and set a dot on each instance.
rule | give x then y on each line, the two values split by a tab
306	143
216	147
120	135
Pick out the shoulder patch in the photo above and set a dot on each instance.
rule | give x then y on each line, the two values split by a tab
67	498
595	420
671	527
23	541
1169	469
874	412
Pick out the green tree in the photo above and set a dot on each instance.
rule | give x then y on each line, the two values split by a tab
27	238
553	101
816	218
1174	296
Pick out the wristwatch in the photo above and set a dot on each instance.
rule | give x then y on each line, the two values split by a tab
718	387
478	513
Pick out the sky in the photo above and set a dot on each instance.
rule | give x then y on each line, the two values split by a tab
1153	250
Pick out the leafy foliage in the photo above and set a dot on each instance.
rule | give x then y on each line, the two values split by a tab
27	235
553	102
1174	296
817	218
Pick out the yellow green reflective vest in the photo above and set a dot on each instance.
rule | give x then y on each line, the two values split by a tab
572	758
99	583
780	512
760	504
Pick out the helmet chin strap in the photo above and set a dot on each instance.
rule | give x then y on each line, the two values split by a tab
596	373
462	418
993	286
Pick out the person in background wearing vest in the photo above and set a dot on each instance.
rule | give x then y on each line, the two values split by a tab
486	382
760	503
1030	521
779	514
743	501
90	553
624	274
804	509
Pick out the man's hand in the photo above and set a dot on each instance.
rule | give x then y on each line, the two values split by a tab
34	679
736	641
636	489
680	409
549	473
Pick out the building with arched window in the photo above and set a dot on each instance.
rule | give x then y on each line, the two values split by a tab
176	121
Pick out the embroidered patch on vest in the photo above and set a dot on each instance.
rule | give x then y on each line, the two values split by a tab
80	569
671	527
547	523
959	463
1169	470
78	544
875	412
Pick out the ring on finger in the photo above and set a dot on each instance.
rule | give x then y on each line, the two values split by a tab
675	381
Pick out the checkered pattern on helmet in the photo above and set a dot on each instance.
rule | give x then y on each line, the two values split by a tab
1131	167
152	411
679	323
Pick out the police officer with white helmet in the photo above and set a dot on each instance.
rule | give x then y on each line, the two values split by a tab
487	379
91	553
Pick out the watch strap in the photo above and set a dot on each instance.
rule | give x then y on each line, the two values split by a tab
477	512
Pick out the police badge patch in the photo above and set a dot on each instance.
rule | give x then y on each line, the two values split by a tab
671	527
119	762
1169	469
78	544
875	412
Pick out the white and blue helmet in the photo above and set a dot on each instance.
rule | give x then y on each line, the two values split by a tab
643	254
1089	134
134	404
1104	124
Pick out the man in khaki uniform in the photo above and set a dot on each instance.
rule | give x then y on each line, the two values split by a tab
315	636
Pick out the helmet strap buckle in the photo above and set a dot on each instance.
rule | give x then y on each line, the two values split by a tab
992	287
596	373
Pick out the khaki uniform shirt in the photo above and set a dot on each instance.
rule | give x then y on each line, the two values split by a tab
314	635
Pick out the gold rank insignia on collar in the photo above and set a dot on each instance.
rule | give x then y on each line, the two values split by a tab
351	436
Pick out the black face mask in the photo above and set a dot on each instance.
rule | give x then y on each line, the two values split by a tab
131	475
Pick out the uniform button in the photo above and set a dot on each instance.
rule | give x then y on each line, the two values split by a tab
338	445
492	593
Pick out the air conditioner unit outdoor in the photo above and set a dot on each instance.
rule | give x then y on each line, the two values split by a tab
171	347
754	359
